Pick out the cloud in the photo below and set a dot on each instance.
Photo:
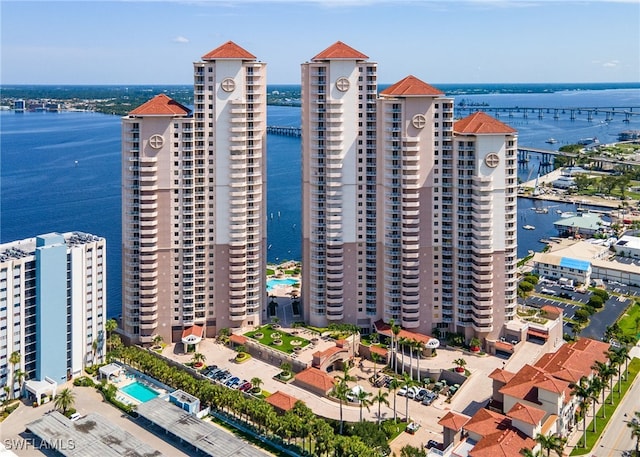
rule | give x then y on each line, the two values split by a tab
180	39
611	64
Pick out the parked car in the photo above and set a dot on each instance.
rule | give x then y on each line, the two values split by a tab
431	443
75	416
231	381
403	391
421	394
428	398
245	386
412	392
412	427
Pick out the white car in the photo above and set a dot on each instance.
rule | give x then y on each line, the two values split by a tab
403	391
75	416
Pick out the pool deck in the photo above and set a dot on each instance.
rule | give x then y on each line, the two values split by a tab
128	378
284	294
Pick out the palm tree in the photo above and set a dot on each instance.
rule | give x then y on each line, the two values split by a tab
380	398
605	374
198	358
376	358
256	383
597	386
420	347
615	360
526	452
623	352
395	330
19	376
407	382
551	443
157	340
412	345
340	391
365	402
393	385
634	425
14	359
582	390
65	400
460	364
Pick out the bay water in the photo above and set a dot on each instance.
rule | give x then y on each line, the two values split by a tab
61	171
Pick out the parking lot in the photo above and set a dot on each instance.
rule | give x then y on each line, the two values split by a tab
552	294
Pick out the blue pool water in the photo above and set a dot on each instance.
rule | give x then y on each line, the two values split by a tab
140	392
274	282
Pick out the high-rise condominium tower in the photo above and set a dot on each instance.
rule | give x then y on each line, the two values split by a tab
53	309
407	215
193	203
339	243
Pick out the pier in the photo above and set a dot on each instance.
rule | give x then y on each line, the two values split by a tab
285	131
556	113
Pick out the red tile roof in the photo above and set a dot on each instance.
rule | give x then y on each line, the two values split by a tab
526	382
281	400
385	329
411	86
161	105
328	352
481	123
454	421
573	361
229	50
238	339
552	310
378	350
501	375
526	413
499	437
195	330
316	378
506	443
339	50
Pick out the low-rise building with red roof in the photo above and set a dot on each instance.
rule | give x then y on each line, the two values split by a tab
315	380
281	401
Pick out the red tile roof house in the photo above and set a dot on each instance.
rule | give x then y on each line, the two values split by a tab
315	380
536	399
281	401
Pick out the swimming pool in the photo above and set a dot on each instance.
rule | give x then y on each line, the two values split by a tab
139	391
275	282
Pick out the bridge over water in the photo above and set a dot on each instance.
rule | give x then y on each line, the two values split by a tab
573	112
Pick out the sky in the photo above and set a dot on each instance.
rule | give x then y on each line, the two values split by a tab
450	41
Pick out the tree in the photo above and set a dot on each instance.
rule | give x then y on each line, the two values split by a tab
615	360
381	398
410	451
605	374
110	326
474	344
65	400
583	391
340	391
526	452
634	425
407	382
256	382
14	359
198	358
286	368
420	347
393	386
365	401
395	331
157	340
460	364
551	443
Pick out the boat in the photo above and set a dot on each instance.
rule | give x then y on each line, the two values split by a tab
528	227
541	210
551	141
567	214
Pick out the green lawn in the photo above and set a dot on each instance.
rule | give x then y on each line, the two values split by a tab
592	438
270	335
628	321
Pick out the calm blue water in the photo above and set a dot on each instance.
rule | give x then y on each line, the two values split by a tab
44	190
274	282
139	391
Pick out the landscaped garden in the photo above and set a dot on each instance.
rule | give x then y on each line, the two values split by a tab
278	339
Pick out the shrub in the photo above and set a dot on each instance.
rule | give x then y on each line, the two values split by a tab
525	286
581	315
596	301
603	294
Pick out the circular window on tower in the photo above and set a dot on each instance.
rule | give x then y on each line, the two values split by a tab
492	160
228	85
342	84
419	121
156	141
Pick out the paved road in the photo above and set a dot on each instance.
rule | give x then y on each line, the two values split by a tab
616	437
